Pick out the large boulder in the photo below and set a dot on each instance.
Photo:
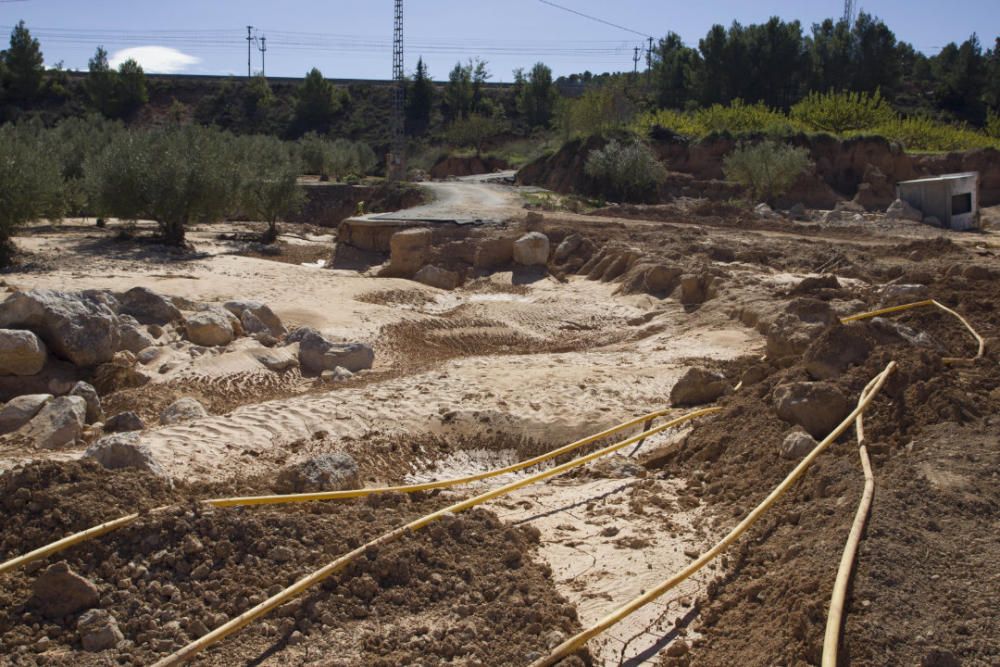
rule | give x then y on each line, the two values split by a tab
98	630
148	307
408	251
182	410
567	247
209	328
435	276
80	330
326	472
532	249
95	413
59	423
21	352
133	337
123	450
21	410
317	354
698	386
254	313
59	591
818	407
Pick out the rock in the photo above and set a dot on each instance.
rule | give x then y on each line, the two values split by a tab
95	413
123	450
21	352
662	280
276	360
791	332
762	210
979	272
317	354
148	356
897	330
261	312
695	289
252	324
73	328
19	411
897	295
182	410
818	407
796	445
437	277
797	211
493	253
755	375
133	338
326	472
148	307
813	283
209	328
698	386
265	339
124	422
297	335
901	210
532	249
338	374
98	630
59	591
835	350
408	251
60	422
567	247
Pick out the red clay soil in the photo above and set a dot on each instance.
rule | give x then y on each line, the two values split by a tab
463	589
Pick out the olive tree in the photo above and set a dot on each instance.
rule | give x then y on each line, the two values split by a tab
173	175
30	183
625	171
766	169
270	188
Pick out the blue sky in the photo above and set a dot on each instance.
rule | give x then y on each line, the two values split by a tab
353	39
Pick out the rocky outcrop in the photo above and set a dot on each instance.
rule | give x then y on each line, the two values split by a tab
80	330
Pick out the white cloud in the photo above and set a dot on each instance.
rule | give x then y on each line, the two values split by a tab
159	59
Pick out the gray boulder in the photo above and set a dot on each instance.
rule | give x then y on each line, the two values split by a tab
148	307
21	352
326	472
83	331
209	328
98	630
134	338
435	276
532	249
95	413
567	247
796	445
124	422
818	407
182	410
698	386
59	423
19	411
317	354
277	360
123	450
897	295
298	334
59	591
259	312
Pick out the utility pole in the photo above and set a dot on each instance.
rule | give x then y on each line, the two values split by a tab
635	61
649	62
396	166
249	44
263	50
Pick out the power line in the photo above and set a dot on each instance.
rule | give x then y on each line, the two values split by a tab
594	18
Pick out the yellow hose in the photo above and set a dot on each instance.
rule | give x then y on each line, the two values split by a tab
834	620
96	531
923	304
577	641
340	563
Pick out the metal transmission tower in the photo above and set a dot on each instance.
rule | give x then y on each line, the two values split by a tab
397	156
263	49
849	11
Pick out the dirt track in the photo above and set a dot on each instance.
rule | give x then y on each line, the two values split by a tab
489	373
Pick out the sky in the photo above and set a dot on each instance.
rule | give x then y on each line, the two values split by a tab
354	39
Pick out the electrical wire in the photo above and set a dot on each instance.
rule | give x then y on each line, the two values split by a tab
594	18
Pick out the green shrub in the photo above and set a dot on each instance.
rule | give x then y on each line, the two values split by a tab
337	159
30	184
924	134
765	168
474	131
269	187
736	119
625	172
599	110
992	128
842	112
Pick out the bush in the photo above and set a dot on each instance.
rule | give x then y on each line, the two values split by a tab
30	184
599	110
843	112
625	172
269	188
338	159
736	119
766	168
992	128
924	134
474	131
